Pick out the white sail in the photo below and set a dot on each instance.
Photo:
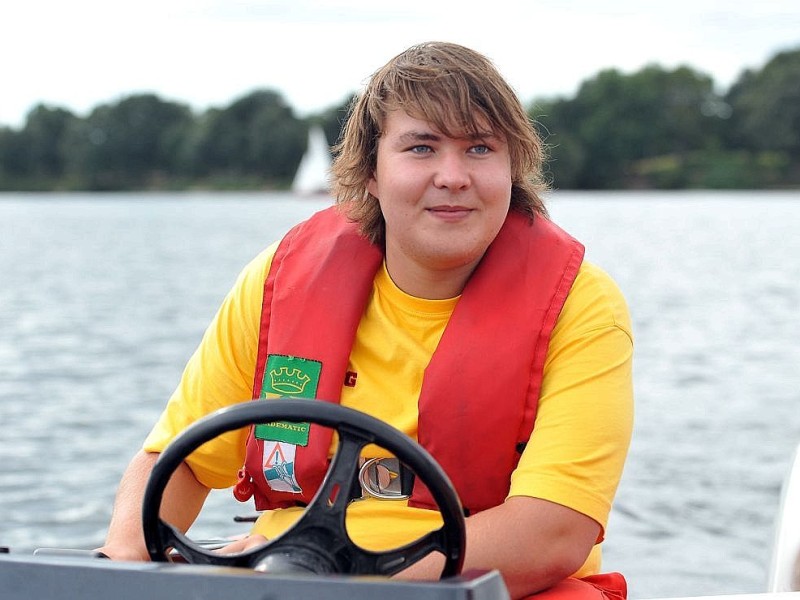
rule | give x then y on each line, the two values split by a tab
313	174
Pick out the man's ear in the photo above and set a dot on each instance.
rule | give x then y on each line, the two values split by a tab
372	186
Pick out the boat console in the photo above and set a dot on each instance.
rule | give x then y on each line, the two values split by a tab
78	578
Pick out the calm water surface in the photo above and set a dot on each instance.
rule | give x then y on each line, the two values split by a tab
104	297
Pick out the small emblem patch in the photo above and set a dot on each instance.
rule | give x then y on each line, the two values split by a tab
293	377
278	465
350	379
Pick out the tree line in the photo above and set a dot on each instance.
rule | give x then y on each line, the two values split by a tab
654	128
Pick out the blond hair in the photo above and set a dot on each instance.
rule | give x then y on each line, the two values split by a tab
457	90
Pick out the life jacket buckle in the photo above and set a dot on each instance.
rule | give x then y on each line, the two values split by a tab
382	478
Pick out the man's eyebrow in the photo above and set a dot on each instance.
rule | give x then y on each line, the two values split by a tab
419	136
423	136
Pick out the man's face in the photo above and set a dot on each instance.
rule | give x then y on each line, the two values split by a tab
443	199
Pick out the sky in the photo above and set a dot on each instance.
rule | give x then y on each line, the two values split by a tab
79	54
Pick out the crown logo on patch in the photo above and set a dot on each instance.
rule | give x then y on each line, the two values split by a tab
289	382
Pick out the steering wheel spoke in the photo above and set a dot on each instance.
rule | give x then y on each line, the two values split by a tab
334	492
389	562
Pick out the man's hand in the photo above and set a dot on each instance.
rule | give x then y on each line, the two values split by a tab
182	501
245	543
123	553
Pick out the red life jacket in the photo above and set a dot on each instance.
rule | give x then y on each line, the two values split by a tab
474	424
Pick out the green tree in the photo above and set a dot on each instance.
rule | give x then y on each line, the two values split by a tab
616	120
766	106
334	118
275	142
257	136
564	154
42	140
129	143
12	164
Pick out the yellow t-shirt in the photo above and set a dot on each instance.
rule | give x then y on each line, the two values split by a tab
569	459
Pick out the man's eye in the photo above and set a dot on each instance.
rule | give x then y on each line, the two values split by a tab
480	149
420	149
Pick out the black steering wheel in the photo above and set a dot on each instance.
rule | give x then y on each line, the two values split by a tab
318	542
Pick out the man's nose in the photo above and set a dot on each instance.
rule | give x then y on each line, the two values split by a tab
452	171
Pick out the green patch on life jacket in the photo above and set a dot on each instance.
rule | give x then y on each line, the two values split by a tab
288	377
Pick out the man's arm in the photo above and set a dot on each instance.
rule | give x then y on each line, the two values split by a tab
556	542
183	499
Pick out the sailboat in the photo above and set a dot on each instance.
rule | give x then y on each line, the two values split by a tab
313	174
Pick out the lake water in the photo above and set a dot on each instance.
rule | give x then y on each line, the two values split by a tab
104	297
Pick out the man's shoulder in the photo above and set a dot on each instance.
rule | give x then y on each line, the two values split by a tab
596	300
595	277
258	267
250	280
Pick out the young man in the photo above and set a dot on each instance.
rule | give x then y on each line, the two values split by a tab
437	297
